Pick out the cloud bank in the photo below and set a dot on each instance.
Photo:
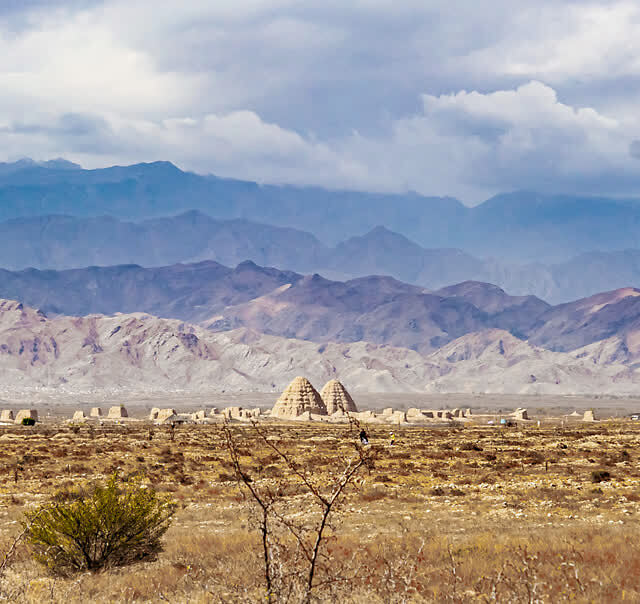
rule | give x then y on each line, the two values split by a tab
441	98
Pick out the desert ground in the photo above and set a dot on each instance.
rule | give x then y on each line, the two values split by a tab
454	512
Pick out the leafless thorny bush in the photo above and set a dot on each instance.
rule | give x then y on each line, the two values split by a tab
294	532
5	592
523	578
8	592
391	568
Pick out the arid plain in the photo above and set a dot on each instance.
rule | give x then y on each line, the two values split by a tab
452	511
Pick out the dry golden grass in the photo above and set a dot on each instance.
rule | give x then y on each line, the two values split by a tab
469	514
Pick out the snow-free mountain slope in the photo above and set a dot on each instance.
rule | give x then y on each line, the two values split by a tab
141	353
61	242
495	361
377	309
575	324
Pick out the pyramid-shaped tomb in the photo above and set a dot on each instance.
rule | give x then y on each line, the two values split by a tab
336	398
299	396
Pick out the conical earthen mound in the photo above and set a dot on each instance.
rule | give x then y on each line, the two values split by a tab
336	398
298	397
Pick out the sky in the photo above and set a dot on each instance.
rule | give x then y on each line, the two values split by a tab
461	98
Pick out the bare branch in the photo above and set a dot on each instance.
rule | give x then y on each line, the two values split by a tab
264	522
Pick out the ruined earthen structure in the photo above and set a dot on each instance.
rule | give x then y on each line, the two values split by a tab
299	396
232	412
117	412
165	414
336	398
26	414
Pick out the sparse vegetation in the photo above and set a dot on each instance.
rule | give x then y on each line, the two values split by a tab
110	525
600	476
435	520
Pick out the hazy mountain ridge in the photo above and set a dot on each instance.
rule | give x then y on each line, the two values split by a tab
60	242
185	291
517	226
160	188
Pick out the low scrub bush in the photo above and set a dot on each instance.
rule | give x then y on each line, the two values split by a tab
373	494
600	476
106	526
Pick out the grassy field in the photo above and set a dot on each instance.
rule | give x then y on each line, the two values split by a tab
459	514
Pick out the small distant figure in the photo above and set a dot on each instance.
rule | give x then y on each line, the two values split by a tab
364	439
392	438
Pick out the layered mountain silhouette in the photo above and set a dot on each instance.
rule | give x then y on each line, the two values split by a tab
284	303
188	292
517	226
376	309
131	270
59	242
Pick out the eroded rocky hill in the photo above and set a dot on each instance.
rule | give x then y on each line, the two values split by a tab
142	353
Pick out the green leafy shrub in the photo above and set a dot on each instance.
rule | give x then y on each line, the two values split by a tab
105	526
28	421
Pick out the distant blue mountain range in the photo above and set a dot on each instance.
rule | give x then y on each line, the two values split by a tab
512	227
63	242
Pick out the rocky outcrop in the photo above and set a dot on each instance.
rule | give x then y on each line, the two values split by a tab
299	397
336	398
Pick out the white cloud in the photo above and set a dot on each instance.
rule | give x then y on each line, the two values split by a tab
595	40
239	144
75	62
457	98
521	138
